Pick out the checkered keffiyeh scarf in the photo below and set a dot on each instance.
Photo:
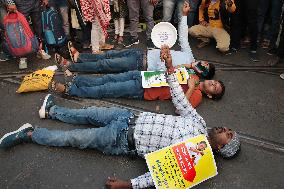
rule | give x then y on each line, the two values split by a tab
231	148
97	9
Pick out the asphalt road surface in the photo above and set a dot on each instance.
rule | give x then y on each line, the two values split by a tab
253	105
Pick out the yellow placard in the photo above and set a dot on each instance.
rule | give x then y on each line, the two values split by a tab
158	78
183	165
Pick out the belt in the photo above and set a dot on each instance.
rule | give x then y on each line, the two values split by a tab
130	134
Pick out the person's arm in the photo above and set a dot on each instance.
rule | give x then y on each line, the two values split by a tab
230	6
191	87
142	181
183	30
11	6
179	99
201	14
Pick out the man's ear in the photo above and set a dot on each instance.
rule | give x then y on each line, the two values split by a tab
209	96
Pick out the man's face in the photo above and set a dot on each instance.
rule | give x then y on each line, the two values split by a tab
212	87
201	146
220	136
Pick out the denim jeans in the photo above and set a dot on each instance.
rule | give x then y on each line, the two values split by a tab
127	85
168	9
275	16
193	10
109	62
110	138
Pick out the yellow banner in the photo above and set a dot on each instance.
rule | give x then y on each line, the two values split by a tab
182	165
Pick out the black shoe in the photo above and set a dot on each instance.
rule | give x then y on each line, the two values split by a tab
272	51
150	44
16	137
254	56
128	42
231	51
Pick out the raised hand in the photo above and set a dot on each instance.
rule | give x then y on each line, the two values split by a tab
185	8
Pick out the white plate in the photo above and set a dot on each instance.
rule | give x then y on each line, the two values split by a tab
164	33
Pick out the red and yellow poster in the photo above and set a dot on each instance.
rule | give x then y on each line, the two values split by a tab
182	165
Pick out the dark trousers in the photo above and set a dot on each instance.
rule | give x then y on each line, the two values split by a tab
244	16
31	8
280	50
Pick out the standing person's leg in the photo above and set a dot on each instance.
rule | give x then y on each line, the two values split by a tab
236	22
251	12
193	10
148	9
222	38
133	8
121	30
96	35
262	12
3	55
276	8
64	11
37	25
168	9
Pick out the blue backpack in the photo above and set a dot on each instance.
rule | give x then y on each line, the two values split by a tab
52	27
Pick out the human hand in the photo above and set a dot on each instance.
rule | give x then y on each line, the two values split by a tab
167	57
191	82
204	23
11	8
154	2
185	8
44	2
229	3
113	183
164	51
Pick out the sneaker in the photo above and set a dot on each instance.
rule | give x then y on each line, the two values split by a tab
128	42
282	76
272	51
150	44
46	105
273	60
4	57
16	137
43	55
254	56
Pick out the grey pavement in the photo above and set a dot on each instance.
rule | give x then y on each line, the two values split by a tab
252	105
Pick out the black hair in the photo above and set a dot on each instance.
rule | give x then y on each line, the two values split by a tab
220	95
211	71
203	142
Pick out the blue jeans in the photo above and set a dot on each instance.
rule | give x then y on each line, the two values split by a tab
168	9
109	62
126	85
110	138
193	10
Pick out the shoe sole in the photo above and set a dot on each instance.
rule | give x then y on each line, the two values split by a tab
41	111
136	43
23	127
